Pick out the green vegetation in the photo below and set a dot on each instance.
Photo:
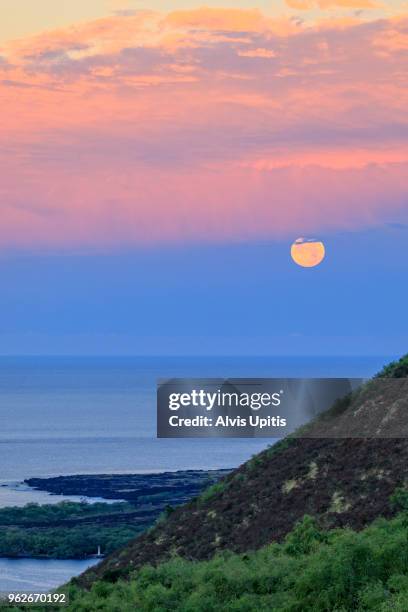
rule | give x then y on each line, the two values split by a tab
340	406
60	543
34	513
212	491
279	446
395	369
66	530
312	570
399	499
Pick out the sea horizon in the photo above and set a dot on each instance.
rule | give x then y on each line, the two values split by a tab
64	415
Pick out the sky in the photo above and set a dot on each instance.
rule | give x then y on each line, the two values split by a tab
158	161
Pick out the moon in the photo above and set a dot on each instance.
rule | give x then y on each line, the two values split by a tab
307	252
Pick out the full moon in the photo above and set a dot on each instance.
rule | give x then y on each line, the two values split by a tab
307	252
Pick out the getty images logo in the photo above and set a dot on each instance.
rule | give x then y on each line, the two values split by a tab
222	399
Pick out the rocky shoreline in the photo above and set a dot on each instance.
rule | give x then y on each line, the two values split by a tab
153	489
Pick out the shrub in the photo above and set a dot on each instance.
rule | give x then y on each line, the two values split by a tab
212	491
399	499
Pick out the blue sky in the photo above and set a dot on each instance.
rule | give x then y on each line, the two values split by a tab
242	299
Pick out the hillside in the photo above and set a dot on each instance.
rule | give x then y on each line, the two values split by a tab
311	571
346	481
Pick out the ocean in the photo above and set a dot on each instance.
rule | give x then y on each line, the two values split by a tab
67	415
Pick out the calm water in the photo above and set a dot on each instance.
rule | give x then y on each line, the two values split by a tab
38	575
93	415
98	415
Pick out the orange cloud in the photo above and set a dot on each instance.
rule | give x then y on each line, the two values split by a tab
393	38
351	158
104	35
229	20
260	52
305	5
235	20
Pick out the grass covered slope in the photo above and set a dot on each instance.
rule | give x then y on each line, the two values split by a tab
339	482
312	570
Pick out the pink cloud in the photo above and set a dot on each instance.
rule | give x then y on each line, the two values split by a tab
110	205
201	125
